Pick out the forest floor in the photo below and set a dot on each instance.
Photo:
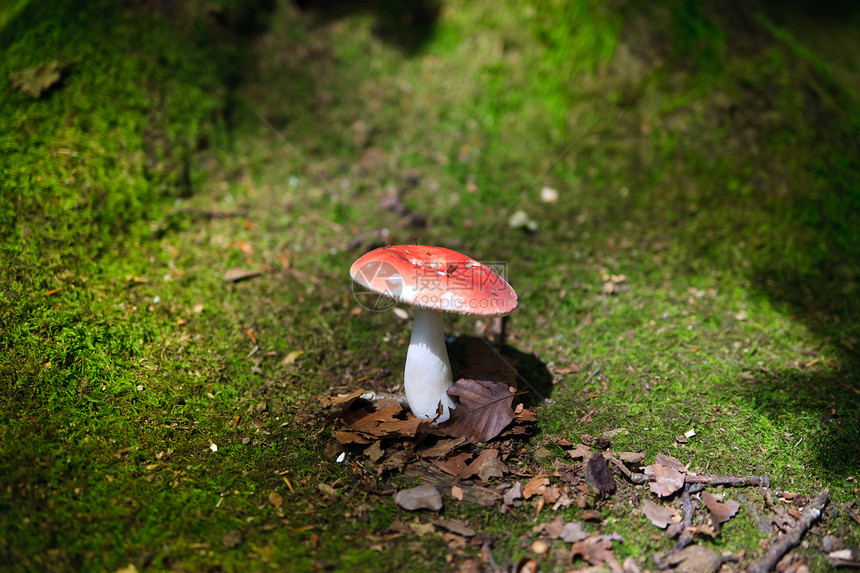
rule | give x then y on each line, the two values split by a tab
673	191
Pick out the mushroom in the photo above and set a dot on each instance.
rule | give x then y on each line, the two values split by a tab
433	280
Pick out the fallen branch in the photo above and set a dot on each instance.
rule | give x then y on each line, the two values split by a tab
793	537
729	480
712	480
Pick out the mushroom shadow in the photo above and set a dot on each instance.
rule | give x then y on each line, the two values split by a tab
534	380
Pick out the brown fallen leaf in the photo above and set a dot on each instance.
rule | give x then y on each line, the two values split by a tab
659	515
514	493
475	466
276	499
597	550
345	437
720	511
384	423
453	465
364	424
493	468
524	415
442	448
581	451
375	452
454	526
696	559
235	274
232	539
666	475
484	410
589	417
572	532
629	457
536	485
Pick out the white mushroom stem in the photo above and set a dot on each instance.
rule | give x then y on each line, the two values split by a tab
428	372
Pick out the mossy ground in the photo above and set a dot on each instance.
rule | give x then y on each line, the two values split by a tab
709	155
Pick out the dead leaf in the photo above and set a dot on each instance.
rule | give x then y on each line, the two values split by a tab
344	437
475	466
629	457
452	466
696	559
389	422
38	79
515	492
720	511
340	404
232	539
551	494
235	274
484	410
442	448
493	468
552	529
276	499
457	492
597	550
666	475
581	451
524	415
394	461
422	529
659	515
454	526
421	497
573	532
587	419
328	490
375	452
534	486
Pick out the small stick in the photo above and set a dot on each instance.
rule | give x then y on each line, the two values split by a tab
686	535
713	480
852	514
728	480
793	537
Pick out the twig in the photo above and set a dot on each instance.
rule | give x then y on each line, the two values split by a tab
793	537
728	480
712	480
851	514
686	535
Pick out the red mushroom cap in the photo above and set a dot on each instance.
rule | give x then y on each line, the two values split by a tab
435	278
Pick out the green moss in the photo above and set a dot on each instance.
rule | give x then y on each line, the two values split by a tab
711	168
